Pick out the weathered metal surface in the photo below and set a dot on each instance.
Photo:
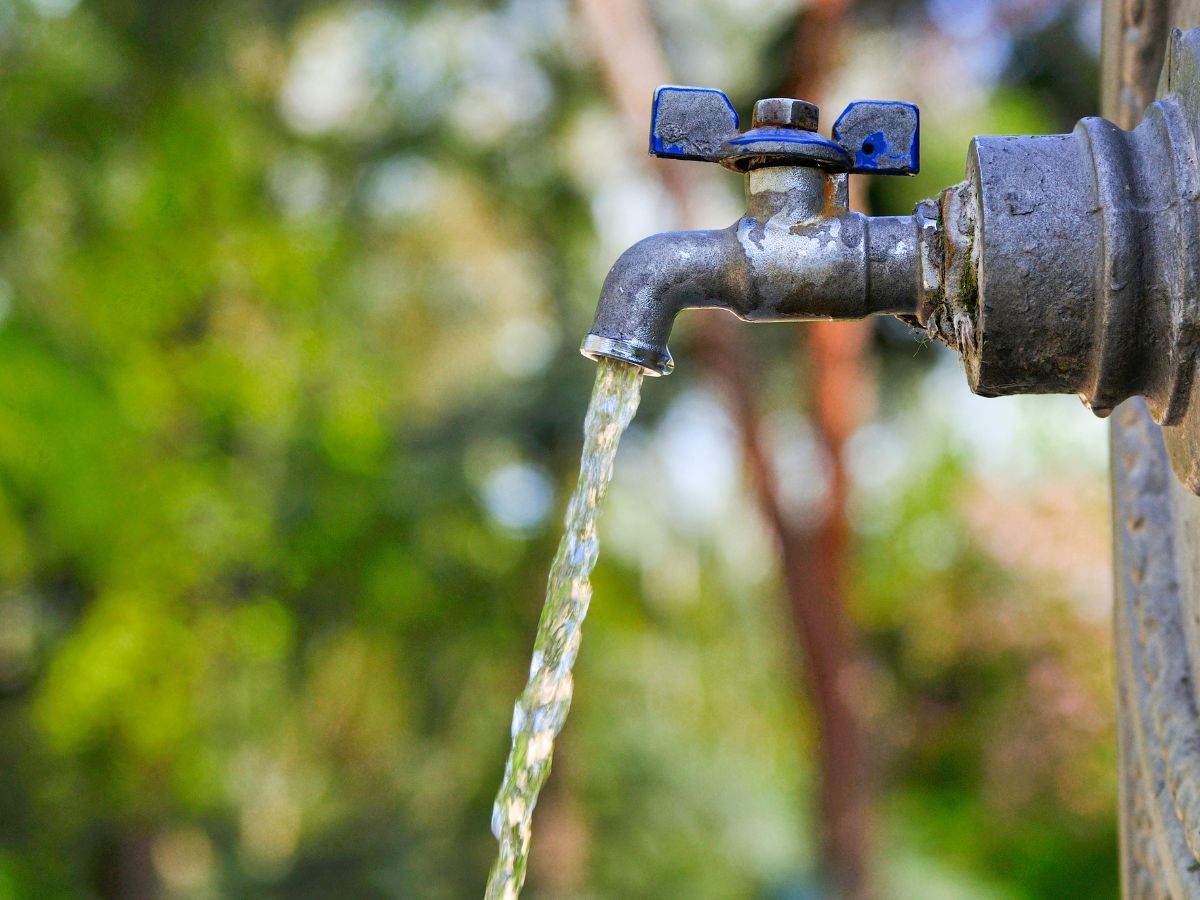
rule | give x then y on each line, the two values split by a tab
784	112
1134	47
881	137
1076	258
1025	264
1160	729
797	254
1181	81
691	123
1156	551
950	290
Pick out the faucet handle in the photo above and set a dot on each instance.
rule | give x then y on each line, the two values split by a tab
870	136
691	123
881	137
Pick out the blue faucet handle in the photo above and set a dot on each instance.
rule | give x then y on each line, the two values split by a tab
870	136
881	137
691	123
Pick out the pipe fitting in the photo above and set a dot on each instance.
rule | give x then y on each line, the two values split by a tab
1068	264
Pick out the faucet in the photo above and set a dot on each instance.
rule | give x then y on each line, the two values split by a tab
798	253
1065	263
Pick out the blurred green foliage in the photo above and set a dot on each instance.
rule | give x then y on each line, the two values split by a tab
271	334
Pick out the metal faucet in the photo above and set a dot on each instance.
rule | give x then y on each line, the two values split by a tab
798	253
1063	263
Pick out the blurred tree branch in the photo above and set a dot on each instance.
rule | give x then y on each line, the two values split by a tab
839	386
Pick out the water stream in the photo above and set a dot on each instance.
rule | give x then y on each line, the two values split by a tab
541	710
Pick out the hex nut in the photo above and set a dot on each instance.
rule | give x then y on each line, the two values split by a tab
784	112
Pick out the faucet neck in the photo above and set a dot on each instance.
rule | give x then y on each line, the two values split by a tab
794	195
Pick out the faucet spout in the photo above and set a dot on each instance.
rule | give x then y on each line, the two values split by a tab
652	281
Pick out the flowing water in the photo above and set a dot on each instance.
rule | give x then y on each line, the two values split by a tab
541	709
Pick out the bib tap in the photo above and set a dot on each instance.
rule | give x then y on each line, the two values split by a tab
797	254
1063	263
